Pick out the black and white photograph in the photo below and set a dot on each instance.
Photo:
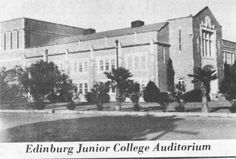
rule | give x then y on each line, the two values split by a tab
111	75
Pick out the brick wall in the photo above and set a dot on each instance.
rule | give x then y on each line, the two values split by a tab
182	57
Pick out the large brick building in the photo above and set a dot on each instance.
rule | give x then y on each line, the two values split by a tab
194	40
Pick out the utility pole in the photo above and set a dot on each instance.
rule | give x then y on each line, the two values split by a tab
117	54
118	98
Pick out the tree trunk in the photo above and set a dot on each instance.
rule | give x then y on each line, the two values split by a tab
118	99
205	108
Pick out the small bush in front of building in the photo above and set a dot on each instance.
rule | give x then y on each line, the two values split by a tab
164	100
71	106
233	107
193	96
151	92
98	94
133	92
40	105
180	107
89	97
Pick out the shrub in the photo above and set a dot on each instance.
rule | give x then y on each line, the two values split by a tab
163	98
99	94
71	106
89	97
180	107
151	92
40	105
53	98
133	92
193	96
233	107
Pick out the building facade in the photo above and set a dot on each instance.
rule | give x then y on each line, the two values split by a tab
192	41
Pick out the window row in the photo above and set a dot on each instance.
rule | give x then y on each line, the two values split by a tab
228	57
11	40
76	67
136	62
80	66
106	64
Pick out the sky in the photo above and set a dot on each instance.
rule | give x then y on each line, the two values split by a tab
113	14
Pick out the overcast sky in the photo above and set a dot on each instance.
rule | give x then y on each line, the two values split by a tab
113	14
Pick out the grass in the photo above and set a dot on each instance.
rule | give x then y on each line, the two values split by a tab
106	128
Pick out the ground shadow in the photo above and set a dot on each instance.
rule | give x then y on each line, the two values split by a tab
105	128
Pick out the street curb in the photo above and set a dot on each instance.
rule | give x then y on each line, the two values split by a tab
122	113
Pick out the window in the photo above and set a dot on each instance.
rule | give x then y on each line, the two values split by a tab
101	65
85	88
75	67
80	67
206	43
85	66
107	65
81	88
130	63
228	57
4	41
180	42
17	40
136	62
113	64
11	40
143	62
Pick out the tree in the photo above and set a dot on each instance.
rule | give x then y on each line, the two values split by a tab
133	92
99	94
120	79
3	86
228	85
43	79
204	77
170	74
11	91
151	92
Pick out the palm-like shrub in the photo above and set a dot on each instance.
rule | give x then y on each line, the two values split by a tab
133	92
99	94
204	77
120	79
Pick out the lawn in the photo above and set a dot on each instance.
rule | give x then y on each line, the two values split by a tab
116	128
104	128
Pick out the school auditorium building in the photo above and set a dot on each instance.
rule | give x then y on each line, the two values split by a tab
144	49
